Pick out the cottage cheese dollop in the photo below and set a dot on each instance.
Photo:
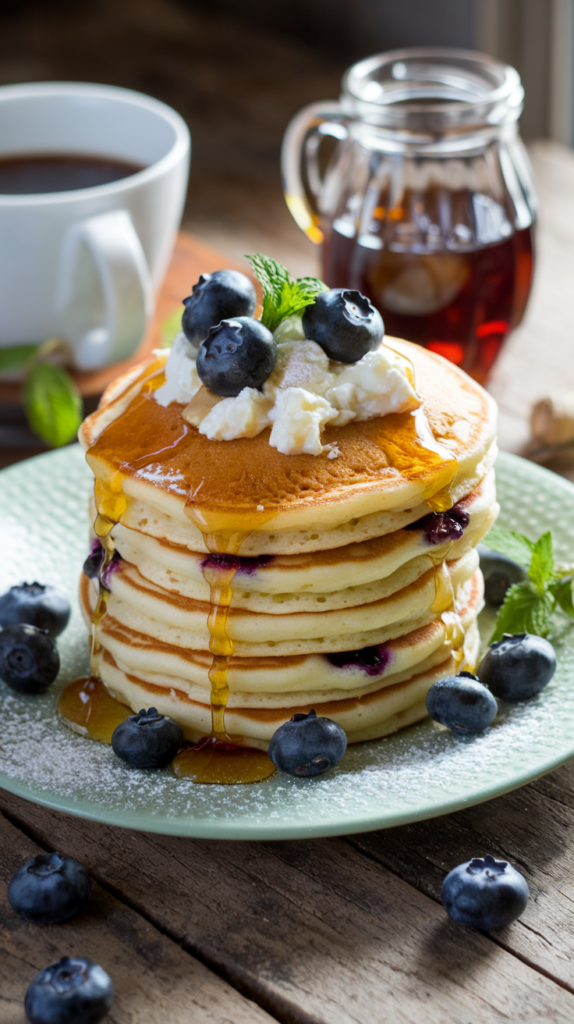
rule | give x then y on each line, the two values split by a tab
306	391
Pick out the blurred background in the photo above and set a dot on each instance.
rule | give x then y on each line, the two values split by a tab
238	73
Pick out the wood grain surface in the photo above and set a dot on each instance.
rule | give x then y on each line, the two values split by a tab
150	972
349	931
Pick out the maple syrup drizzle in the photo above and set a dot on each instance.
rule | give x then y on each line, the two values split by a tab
218	759
454	635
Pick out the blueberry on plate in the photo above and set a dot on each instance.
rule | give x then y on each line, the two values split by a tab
484	893
518	667
499	572
72	991
29	659
307	745
461	703
36	605
49	889
216	297
147	740
344	323
238	353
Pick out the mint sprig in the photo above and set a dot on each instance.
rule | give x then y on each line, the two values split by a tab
529	606
52	402
282	297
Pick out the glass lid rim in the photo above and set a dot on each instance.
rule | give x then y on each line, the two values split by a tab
357	76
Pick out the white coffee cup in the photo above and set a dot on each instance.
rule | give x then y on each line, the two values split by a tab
83	265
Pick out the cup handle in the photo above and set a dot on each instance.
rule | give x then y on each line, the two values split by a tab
300	161
105	296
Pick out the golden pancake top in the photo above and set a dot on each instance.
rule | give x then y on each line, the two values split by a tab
134	445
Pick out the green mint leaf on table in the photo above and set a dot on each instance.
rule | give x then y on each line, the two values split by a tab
529	606
282	297
52	403
170	329
14	357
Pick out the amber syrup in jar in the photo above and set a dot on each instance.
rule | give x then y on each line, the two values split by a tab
460	301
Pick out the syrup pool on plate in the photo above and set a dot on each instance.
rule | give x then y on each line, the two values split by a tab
88	708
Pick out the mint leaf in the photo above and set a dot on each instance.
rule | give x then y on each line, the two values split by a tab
282	297
14	357
52	403
170	329
524	611
562	594
541	569
508	542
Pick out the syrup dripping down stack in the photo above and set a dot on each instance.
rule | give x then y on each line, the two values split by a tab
248	585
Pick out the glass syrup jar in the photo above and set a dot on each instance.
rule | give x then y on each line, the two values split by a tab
427	203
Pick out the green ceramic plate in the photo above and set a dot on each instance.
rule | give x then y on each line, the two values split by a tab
421	772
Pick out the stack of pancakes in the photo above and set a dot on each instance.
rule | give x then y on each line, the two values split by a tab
340	602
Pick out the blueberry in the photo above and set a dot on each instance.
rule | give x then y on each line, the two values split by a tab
499	572
72	991
344	324
237	354
36	605
49	889
307	745
461	703
439	527
147	740
93	562
29	659
216	297
484	894
518	667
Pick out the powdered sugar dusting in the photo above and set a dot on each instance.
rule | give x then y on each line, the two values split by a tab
165	476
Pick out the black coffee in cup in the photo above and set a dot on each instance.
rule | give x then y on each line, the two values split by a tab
35	173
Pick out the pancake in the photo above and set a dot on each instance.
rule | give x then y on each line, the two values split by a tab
283	681
176	568
389	463
183	622
346	580
369	716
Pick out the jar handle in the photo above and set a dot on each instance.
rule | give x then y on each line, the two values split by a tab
300	161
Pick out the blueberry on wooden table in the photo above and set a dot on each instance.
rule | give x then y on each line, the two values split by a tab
238	353
344	323
518	667
215	297
484	893
147	740
499	572
72	991
36	605
29	659
462	703
307	745
49	889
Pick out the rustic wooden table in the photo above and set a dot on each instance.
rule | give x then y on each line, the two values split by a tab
338	931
